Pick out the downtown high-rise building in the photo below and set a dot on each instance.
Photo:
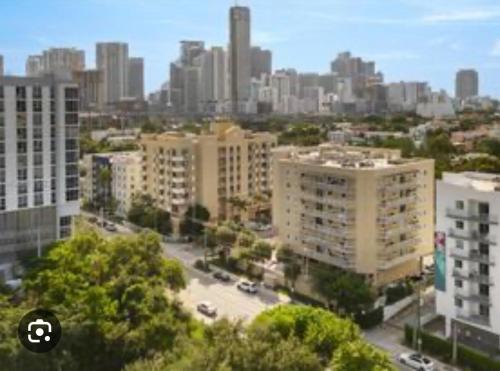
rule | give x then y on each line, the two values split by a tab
466	84
1	65
112	59
213	82
62	61
262	62
39	177
34	66
136	78
240	57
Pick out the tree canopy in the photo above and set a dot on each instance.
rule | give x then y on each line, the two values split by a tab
144	213
109	295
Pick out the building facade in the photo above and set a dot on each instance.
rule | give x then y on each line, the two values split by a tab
39	177
364	210
90	84
240	57
467	238
136	78
34	66
211	169
262	62
466	84
112	60
1	65
126	180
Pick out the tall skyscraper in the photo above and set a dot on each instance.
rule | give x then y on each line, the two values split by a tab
1	65
262	62
240	56
191	49
136	78
466	84
39	178
90	89
213	80
112	60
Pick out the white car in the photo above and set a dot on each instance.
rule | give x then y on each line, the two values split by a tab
416	361
247	286
207	309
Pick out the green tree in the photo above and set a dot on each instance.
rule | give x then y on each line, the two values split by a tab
109	295
292	266
193	222
360	356
145	214
226	237
262	250
348	291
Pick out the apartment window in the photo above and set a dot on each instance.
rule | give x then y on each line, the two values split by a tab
37	106
459	283
459	244
20	92
458	302
460	205
484	269
484	310
458	263
484	249
38	199
459	224
22	201
484	228
484	290
37	92
483	208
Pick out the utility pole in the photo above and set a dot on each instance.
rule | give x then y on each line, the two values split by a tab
417	342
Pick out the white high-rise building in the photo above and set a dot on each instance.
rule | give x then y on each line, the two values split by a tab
136	78
240	57
126	180
112	59
63	60
39	178
213	80
467	257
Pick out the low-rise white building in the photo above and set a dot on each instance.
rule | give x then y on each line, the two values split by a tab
126	180
467	253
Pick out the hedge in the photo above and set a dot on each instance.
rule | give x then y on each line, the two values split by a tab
443	348
370	319
396	293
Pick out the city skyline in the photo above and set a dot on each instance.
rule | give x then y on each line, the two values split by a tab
438	39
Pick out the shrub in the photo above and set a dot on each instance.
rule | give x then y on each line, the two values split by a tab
200	265
396	293
370	319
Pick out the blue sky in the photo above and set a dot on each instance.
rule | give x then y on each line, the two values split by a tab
408	39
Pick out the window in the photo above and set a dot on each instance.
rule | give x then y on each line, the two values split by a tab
484	228
22	201
459	224
484	269
484	249
459	244
483	208
459	283
484	290
458	263
458	302
459	205
484	310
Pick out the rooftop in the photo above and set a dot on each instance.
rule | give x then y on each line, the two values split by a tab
330	155
481	182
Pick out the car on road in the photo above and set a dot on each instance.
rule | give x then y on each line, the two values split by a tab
207	308
110	227
416	361
222	276
247	286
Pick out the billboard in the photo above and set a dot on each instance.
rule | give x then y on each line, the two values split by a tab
440	261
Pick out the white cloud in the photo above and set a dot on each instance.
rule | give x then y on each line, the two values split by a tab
465	15
495	50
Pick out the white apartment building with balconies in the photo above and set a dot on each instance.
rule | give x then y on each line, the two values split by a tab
467	257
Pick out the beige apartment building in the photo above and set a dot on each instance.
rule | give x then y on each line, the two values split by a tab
361	209
215	168
126	180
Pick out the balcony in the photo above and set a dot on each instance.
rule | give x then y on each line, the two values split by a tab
178	201
472	255
472	276
471	236
476	298
474	217
474	318
325	257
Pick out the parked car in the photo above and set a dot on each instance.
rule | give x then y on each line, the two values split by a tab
222	276
247	286
110	227
416	361
92	219
207	308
